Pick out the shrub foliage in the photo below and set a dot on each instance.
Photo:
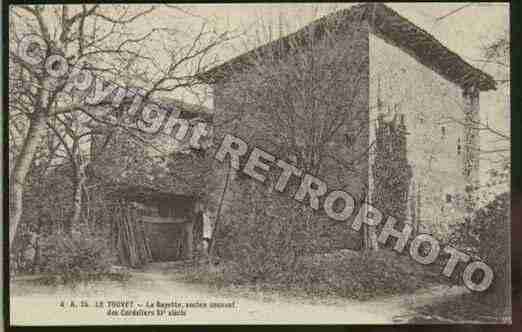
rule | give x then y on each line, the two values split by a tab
76	259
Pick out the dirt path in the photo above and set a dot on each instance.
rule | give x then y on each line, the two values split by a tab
252	307
272	308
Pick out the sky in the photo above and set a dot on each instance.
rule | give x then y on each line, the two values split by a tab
463	32
465	28
466	31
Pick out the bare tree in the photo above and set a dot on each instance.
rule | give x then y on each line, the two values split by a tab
496	55
105	43
72	137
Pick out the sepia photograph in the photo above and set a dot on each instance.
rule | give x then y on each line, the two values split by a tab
258	163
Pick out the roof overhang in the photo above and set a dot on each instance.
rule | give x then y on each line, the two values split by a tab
383	22
399	31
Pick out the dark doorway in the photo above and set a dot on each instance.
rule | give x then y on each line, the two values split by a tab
167	240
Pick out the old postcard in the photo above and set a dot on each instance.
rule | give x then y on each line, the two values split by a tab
317	163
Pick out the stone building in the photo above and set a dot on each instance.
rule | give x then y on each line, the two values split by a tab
157	189
398	104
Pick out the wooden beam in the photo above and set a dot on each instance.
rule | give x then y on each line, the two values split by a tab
164	220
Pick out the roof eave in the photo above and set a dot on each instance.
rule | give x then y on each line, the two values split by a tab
380	15
395	28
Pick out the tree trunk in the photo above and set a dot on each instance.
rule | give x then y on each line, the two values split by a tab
76	214
21	168
370	238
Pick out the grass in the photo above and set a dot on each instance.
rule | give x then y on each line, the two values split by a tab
345	274
50	283
467	308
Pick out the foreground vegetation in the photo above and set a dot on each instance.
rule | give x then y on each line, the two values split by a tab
345	273
468	308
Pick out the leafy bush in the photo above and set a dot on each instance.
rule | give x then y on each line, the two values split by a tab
81	258
344	273
363	274
23	252
265	236
271	241
486	237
